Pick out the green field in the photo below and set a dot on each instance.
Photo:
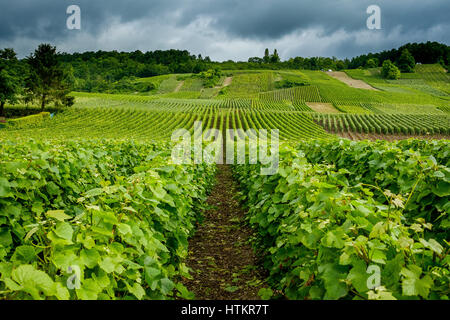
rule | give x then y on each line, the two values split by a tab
94	186
253	96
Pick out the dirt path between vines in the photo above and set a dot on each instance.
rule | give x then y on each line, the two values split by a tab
359	84
224	265
322	107
227	81
177	89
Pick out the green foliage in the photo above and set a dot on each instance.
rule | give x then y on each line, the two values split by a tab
29	120
129	85
168	85
406	62
288	84
302	93
95	71
435	76
211	77
265	293
9	80
342	107
386	123
249	84
100	71
118	212
266	57
192	84
154	116
122	212
275	58
146	118
372	63
423	86
337	208
48	80
8	90
389	70
19	111
426	53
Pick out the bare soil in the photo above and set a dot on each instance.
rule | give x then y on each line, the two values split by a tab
359	84
179	86
322	107
227	81
224	265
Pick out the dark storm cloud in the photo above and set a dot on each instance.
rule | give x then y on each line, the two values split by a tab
271	19
47	18
153	24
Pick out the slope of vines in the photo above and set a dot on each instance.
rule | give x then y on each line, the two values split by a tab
115	216
338	213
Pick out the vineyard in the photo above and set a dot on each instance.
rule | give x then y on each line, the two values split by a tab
307	93
159	125
117	210
337	208
385	124
93	191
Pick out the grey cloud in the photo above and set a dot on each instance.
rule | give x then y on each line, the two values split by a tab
46	19
341	23
271	19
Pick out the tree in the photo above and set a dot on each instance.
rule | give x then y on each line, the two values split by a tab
8	54
406	62
372	63
340	65
275	58
9	82
199	67
266	56
390	71
48	80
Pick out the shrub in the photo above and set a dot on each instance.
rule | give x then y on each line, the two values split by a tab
390	71
210	78
289	84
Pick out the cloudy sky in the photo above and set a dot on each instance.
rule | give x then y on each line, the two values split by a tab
224	29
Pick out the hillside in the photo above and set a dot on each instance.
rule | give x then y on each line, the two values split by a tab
416	104
131	196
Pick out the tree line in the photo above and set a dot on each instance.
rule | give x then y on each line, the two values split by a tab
47	76
425	53
97	71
